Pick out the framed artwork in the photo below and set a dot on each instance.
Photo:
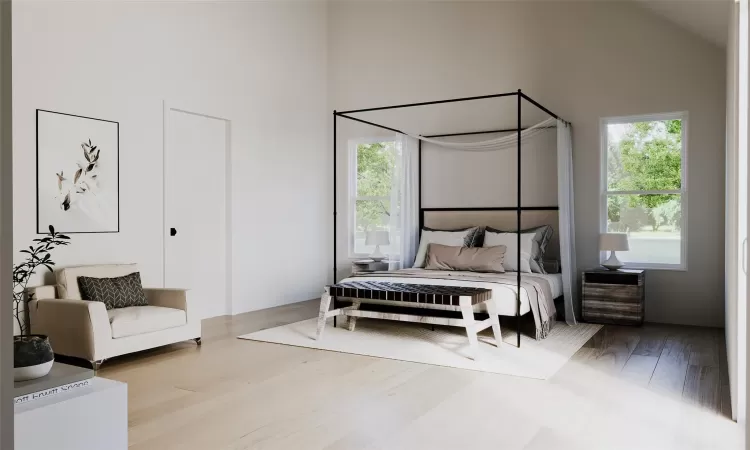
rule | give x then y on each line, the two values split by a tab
78	173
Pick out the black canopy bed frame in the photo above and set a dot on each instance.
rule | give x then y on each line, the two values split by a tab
519	208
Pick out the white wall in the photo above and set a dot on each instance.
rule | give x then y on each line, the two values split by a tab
494	174
261	65
584	61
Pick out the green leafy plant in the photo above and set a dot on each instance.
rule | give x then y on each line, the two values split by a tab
375	166
39	255
648	157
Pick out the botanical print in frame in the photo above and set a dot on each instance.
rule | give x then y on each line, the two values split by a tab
78	173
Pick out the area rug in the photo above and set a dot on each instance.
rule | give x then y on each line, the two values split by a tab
445	346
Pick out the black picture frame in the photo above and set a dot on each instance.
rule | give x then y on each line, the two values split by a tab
44	228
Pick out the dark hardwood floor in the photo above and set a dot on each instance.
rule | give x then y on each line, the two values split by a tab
680	361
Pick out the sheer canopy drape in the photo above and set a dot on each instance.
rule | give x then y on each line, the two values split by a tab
566	229
409	191
508	141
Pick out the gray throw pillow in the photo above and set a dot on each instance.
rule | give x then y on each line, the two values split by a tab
542	236
551	266
119	292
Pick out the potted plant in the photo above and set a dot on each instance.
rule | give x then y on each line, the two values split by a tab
32	354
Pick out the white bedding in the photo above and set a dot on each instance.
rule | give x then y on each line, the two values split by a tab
505	296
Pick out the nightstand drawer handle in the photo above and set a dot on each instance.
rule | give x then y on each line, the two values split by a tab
744	256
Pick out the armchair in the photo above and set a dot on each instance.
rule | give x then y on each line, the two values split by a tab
86	329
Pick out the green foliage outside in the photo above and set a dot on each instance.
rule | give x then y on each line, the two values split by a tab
376	164
647	156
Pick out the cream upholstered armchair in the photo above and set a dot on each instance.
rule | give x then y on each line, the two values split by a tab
86	329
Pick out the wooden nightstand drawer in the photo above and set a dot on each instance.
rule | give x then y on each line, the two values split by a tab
617	292
614	296
605	307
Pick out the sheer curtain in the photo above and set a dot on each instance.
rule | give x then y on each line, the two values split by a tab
566	228
409	207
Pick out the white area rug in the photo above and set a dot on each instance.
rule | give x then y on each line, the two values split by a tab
446	346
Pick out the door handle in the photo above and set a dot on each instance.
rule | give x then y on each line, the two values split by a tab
744	256
173	231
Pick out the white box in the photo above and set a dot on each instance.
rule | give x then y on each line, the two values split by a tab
91	417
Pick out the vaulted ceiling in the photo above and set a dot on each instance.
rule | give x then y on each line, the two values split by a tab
707	18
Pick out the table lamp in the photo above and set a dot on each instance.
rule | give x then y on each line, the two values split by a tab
377	238
613	242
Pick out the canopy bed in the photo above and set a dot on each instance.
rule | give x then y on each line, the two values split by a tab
513	293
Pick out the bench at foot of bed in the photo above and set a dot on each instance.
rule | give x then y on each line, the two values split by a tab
413	296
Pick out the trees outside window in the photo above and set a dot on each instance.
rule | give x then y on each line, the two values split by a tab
375	193
644	187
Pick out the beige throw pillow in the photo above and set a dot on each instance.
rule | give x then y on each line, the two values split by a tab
466	237
474	259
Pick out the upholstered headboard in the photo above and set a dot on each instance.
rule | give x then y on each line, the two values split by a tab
503	219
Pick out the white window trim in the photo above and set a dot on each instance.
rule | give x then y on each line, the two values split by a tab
353	144
681	115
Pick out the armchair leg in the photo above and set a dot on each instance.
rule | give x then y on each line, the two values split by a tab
198	341
96	365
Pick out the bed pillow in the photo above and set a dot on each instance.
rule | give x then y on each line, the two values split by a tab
473	259
551	266
542	236
510	241
472	239
467	237
119	292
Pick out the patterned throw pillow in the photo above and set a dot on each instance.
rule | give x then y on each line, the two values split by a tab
119	292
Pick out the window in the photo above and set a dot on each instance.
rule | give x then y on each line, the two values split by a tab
644	187
375	193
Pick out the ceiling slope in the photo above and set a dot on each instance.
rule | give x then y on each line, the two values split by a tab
706	18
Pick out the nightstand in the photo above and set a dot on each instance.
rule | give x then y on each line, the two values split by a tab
614	296
368	265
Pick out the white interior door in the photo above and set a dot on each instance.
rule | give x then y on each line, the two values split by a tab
195	209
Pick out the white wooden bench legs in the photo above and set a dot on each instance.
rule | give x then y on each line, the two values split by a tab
473	327
495	321
467	312
324	313
467	321
353	319
325	303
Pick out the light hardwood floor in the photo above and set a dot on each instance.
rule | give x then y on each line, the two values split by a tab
654	387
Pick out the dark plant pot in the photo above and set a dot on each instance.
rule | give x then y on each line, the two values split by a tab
32	356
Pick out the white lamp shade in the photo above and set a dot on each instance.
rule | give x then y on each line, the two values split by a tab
379	237
614	241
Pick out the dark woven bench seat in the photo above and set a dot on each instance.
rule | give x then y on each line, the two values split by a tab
412	293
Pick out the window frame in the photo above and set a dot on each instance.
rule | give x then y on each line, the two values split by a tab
683	191
353	144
